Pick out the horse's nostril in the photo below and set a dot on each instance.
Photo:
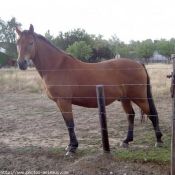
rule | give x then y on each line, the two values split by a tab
20	62
23	64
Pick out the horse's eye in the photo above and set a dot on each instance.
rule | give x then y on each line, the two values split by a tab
31	43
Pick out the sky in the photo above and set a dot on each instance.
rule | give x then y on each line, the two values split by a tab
127	19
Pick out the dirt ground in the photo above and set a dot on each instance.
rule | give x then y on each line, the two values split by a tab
32	128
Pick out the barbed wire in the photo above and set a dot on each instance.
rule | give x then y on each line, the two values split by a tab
85	85
95	97
20	111
56	110
77	69
110	122
78	85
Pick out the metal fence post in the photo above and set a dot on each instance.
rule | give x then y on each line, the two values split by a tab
102	116
173	118
173	124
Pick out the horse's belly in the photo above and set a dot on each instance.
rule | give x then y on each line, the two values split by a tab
90	101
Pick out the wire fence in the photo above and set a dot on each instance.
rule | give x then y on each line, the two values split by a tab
28	117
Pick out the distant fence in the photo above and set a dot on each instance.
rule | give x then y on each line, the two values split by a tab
155	60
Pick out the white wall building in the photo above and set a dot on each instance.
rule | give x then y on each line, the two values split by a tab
2	50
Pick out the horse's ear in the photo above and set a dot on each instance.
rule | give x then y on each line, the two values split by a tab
31	29
18	31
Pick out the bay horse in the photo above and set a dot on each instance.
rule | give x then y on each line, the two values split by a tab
69	81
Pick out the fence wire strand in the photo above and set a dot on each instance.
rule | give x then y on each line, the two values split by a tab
24	108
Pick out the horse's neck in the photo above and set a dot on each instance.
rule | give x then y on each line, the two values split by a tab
48	58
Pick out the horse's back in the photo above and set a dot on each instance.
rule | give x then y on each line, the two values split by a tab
129	74
123	63
121	78
126	71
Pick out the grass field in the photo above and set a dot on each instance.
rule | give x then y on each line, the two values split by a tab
32	129
15	80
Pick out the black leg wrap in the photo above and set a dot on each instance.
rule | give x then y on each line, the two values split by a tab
158	136
73	140
129	137
70	148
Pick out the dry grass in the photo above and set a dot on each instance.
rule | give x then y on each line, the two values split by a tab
160	83
33	134
15	80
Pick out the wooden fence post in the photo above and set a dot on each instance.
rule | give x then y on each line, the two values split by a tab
102	116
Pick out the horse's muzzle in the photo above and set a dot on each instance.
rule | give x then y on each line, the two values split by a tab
22	64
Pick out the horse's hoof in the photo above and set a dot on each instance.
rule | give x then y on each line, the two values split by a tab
159	144
70	154
68	148
124	145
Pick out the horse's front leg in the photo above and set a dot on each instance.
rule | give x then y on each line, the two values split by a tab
66	109
127	107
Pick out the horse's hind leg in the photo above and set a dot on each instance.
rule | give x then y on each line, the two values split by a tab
155	121
66	110
127	107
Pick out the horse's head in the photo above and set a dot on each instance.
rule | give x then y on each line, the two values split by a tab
25	47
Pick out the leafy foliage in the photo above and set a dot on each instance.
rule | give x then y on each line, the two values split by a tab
8	36
91	48
165	48
123	50
3	58
145	49
48	36
64	40
80	50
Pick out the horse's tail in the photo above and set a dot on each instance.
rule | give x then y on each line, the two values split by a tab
153	111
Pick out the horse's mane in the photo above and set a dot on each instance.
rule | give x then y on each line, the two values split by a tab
46	41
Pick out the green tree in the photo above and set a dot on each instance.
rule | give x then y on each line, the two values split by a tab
120	48
166	48
99	42
105	52
8	35
123	50
60	42
63	40
80	50
145	49
132	48
49	36
101	49
114	43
